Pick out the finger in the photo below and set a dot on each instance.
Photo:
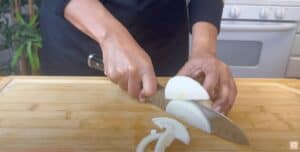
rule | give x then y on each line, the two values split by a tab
214	96
105	68
123	82
113	75
221	102
149	85
134	83
228	80
232	96
211	81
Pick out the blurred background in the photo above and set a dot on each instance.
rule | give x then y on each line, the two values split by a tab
258	38
20	38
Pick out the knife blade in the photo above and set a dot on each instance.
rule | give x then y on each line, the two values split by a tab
221	125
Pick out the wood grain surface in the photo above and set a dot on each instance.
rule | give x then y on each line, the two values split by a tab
89	114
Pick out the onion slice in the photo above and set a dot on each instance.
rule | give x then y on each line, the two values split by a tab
147	140
172	130
165	140
185	88
180	131
188	112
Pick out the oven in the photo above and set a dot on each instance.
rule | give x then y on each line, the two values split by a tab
257	36
256	49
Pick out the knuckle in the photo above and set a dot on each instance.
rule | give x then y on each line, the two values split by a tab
131	69
121	71
113	76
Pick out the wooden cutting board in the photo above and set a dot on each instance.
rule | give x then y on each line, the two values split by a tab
72	114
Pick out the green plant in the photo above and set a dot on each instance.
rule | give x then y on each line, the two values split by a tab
20	32
27	41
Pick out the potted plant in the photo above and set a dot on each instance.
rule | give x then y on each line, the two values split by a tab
23	36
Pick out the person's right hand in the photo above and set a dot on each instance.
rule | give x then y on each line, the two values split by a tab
128	65
125	62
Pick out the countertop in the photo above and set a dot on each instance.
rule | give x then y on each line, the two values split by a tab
70	114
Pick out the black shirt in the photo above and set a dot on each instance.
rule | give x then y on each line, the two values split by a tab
159	26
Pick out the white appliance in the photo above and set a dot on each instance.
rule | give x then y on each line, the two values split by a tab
257	36
293	69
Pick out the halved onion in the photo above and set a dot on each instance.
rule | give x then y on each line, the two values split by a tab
185	88
188	112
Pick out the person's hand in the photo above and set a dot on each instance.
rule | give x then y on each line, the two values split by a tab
128	65
125	62
216	79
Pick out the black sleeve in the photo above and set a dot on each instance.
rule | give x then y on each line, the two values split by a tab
60	7
207	11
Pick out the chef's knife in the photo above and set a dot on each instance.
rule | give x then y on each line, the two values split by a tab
221	125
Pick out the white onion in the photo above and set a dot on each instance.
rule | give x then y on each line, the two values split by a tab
185	88
173	130
147	140
165	140
188	112
180	131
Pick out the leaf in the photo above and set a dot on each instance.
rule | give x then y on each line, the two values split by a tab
32	20
19	18
17	56
38	44
29	55
36	58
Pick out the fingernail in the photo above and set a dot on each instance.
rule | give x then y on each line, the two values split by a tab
217	109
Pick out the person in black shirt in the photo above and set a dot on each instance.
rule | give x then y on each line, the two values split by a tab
137	39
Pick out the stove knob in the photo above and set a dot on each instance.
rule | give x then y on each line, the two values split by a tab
279	13
264	13
234	12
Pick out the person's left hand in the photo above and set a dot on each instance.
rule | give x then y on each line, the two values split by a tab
216	78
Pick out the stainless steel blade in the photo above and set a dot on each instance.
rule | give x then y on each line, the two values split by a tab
159	99
221	125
